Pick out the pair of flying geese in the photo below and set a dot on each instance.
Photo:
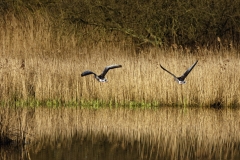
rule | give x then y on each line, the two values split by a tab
101	77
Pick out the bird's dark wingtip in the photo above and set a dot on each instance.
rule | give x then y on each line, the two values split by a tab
196	62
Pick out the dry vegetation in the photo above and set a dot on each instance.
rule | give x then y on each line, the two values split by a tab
37	66
140	80
157	23
165	132
42	57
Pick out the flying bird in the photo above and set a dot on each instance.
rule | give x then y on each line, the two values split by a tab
101	77
180	80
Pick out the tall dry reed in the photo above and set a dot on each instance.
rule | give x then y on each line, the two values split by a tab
39	64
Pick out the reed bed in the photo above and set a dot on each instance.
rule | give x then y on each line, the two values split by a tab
140	81
171	133
40	65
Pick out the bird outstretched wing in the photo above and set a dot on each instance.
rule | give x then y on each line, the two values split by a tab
108	68
85	73
167	71
188	71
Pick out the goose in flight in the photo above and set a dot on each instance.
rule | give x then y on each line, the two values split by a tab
180	80
101	77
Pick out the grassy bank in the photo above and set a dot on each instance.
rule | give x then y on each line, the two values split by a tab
207	133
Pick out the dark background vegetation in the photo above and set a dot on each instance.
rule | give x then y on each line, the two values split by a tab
183	23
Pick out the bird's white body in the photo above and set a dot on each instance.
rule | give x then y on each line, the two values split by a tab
180	82
101	80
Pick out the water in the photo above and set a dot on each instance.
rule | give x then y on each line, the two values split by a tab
102	148
75	148
87	150
107	134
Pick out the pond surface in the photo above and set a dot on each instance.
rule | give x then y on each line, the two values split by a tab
76	148
165	133
89	150
102	148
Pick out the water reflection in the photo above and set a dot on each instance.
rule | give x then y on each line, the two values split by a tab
102	148
164	133
87	149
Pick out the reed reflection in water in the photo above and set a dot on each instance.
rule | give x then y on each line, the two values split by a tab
167	133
